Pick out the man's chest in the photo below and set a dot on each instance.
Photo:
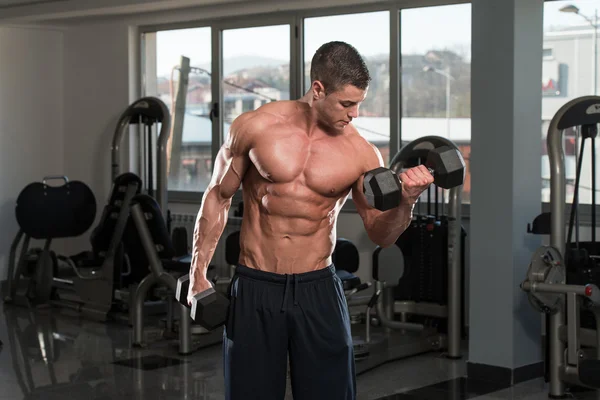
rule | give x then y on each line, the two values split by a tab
327	166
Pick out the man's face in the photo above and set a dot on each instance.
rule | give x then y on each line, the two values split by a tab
337	109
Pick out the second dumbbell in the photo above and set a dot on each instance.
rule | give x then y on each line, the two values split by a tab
208	308
383	189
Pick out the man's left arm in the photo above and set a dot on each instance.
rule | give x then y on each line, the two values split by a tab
384	227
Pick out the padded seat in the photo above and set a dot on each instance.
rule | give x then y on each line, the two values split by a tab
589	373
346	261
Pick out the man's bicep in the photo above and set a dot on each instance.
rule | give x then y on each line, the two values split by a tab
229	171
233	158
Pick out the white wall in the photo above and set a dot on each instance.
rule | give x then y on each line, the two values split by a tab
96	93
31	117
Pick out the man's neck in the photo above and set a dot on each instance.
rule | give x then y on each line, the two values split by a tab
308	115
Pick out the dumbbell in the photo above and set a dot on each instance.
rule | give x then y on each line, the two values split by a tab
383	189
209	307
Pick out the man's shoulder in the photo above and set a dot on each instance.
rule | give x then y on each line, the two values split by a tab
264	116
367	151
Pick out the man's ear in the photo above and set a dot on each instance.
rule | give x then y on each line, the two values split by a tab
318	90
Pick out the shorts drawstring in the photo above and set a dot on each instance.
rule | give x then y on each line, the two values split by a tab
295	286
286	289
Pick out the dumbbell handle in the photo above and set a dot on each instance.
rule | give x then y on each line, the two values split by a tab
431	171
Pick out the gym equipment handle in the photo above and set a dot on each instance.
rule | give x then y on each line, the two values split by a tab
55	177
590	291
359	288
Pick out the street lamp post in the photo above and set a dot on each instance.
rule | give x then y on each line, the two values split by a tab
445	73
594	23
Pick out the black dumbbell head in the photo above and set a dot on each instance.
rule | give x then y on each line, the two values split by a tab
382	189
448	166
209	309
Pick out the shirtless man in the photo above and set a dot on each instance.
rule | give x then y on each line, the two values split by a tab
297	162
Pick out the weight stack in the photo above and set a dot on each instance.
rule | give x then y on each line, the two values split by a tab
425	248
424	245
583	270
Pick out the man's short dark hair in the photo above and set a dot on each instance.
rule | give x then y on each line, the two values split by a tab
337	64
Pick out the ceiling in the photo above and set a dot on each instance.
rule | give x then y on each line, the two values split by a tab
17	3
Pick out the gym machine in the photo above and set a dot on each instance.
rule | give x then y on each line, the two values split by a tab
562	278
152	155
383	338
84	282
158	253
93	282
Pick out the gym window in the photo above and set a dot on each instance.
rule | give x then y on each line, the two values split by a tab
427	92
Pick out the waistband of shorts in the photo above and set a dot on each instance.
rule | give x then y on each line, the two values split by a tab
323	273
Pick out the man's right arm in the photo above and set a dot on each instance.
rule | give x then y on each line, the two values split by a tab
231	164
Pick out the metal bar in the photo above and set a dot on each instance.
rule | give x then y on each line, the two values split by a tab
424	309
587	337
595	62
116	239
20	266
174	155
454	273
296	58
115	150
387	322
161	162
62	283
156	265
580	290
597	317
572	329
556	159
557	348
395	68
139	297
12	266
158	275
593	149
368	325
388	305
217	94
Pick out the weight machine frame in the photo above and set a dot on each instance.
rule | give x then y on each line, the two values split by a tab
567	362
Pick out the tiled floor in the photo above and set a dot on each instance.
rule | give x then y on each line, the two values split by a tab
46	356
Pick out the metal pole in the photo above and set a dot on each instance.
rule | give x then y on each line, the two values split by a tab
448	102
454	273
595	52
164	278
178	112
557	239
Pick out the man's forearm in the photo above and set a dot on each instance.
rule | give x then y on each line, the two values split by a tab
388	225
208	229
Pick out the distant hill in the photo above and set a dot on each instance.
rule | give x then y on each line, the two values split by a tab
231	65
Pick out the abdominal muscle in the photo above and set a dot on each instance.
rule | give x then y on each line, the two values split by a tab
287	228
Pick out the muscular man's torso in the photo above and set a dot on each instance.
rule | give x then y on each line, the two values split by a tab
293	191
